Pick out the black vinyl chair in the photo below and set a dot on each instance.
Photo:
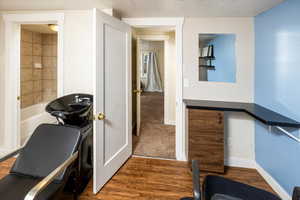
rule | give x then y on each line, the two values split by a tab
219	188
44	165
196	182
296	193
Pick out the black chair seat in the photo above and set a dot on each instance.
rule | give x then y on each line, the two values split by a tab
224	197
220	188
47	149
15	187
218	185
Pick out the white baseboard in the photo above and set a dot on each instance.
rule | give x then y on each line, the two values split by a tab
273	183
240	162
155	158
169	122
3	151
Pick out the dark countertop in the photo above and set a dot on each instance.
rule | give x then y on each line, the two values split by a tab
260	113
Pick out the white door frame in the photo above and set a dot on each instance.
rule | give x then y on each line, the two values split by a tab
12	28
180	108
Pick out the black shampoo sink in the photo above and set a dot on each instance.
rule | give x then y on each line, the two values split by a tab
73	109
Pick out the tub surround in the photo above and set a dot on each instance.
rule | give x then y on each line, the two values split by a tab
38	79
31	78
38	67
49	62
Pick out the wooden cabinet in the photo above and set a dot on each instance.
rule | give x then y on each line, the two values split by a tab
206	139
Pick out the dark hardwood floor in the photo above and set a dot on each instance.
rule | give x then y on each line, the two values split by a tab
153	179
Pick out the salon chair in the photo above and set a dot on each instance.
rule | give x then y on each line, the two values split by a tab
77	110
219	188
44	165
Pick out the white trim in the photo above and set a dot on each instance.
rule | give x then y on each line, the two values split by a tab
160	37
3	151
169	122
153	21
12	26
273	183
153	158
240	162
180	108
108	11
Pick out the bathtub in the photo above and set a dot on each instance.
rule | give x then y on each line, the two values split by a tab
31	117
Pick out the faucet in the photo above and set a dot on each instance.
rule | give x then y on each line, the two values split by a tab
77	99
81	99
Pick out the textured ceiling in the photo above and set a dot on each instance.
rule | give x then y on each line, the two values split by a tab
192	8
152	8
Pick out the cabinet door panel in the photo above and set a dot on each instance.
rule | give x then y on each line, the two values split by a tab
206	139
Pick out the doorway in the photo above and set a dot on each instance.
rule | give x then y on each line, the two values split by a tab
154	92
177	23
38	75
14	71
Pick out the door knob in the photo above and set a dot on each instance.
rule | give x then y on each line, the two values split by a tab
138	91
18	98
101	116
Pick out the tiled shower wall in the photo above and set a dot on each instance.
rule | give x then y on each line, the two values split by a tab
38	67
49	62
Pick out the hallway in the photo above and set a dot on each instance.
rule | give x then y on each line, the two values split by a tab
156	139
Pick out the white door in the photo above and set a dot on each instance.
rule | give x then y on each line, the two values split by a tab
138	90
112	97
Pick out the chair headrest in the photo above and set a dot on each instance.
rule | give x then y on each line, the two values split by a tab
48	147
296	193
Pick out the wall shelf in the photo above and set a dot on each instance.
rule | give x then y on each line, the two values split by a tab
262	114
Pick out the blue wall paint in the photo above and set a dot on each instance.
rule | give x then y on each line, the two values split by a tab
277	86
224	50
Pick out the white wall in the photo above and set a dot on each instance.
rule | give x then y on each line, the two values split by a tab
1	81
78	52
239	129
77	69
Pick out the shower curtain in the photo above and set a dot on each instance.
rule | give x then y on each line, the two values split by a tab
153	83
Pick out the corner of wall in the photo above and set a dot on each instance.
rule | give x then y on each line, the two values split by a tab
1	80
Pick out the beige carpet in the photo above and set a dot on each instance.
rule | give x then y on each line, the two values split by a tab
156	139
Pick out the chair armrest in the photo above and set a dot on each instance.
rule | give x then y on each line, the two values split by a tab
48	179
196	180
10	154
296	193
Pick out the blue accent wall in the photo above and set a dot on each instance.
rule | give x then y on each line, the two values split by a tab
277	86
225	63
